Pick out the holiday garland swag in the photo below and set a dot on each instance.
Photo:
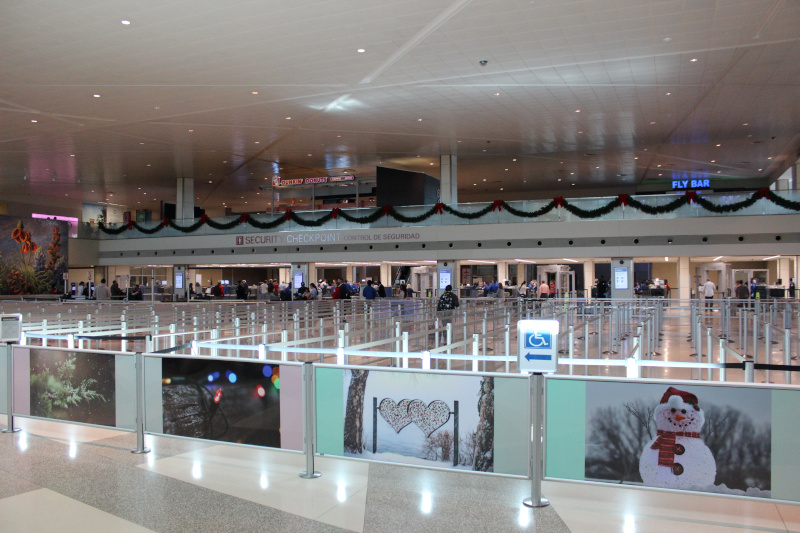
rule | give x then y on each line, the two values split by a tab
438	209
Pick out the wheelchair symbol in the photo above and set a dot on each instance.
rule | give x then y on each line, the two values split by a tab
537	340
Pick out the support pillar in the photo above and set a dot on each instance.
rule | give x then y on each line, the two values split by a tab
448	177
184	205
684	279
588	278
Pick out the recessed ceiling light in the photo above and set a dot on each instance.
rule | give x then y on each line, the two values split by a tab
514	159
72	155
769	158
34	121
141	143
484	179
474	184
580	132
559	179
571	173
258	142
96	96
288	118
667	39
719	172
255	92
660	174
126	22
713	160
719	145
190	131
213	182
653	122
432	163
573	184
636	157
746	124
309	155
760	169
497	94
693	60
577	110
419	120
148	164
659	166
140	188
669	94
360	50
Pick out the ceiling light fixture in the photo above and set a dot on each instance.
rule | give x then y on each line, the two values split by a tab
360	50
34	121
96	96
126	22
693	60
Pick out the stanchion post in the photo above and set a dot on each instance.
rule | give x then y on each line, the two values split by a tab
139	363
309	430
9	349
537	395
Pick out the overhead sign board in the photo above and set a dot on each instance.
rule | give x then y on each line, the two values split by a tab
284	182
537	346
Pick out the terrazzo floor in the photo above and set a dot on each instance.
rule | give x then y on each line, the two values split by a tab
67	477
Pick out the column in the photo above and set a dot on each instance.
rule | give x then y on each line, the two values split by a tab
588	278
184	205
386	274
502	272
785	271
448	177
684	279
621	277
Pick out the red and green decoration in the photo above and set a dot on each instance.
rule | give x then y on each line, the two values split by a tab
439	209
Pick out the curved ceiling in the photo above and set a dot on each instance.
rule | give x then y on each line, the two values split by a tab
581	97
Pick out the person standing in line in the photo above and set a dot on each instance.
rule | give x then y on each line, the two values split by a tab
741	292
544	289
522	289
369	291
791	288
381	290
501	293
708	291
448	302
313	293
102	292
79	290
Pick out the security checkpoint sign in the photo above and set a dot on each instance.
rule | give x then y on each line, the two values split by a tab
538	346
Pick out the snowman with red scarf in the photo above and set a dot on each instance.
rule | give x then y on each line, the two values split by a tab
677	458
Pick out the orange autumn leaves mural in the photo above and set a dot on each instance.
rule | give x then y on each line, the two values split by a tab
25	267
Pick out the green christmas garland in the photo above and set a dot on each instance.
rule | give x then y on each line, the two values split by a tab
439	209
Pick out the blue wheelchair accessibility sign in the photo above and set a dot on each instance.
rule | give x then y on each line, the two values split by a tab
537	350
538	339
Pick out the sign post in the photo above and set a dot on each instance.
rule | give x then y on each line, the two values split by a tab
537	353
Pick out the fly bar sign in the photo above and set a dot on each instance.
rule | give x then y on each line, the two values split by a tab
537	346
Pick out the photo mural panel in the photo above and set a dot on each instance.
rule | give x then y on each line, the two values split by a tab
33	255
438	420
703	438
222	400
73	386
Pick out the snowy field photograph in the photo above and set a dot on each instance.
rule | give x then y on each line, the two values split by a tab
422	419
703	438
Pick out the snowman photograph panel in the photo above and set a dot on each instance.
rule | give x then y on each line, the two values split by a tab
421	419
679	436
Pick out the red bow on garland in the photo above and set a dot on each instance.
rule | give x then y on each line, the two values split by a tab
203	218
763	193
335	213
243	218
691	196
622	199
497	205
559	200
385	210
665	444
165	223
438	208
288	214
130	224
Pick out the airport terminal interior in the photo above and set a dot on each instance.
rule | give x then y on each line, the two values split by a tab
453	265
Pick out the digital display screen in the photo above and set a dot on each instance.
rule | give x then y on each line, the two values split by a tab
445	277
621	278
298	280
178	280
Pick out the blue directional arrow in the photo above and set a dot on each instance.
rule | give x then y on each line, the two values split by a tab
537	356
